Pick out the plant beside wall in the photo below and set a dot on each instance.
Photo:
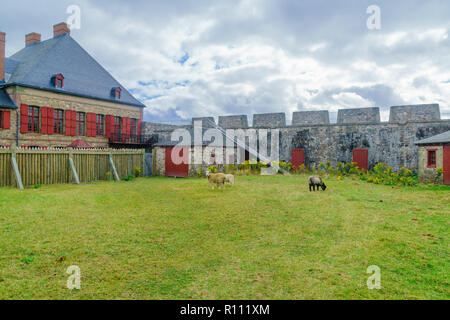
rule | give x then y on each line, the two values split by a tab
438	175
137	172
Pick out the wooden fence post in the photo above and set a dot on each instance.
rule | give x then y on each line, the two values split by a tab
113	167
72	167
16	167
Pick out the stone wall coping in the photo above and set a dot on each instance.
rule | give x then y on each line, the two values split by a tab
382	123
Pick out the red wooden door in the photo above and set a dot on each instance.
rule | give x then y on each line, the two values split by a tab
298	157
361	157
177	162
446	165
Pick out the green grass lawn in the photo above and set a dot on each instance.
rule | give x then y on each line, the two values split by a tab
266	238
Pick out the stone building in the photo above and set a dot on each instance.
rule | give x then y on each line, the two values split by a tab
434	153
358	135
53	91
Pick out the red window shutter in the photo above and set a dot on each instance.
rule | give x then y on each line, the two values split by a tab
68	123
24	118
90	124
44	122
74	123
124	126
129	126
109	121
50	118
139	128
6	119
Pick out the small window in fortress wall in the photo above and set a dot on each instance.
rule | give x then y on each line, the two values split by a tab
431	156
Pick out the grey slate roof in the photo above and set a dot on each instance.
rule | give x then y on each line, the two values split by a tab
34	66
440	138
6	101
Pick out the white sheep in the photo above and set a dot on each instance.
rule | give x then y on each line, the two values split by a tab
216	178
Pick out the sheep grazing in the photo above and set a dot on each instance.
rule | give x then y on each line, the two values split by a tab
314	182
217	179
230	179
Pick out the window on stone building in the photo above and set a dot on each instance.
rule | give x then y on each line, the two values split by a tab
33	119
58	81
58	116
81	123
117	125
133	127
100	124
431	158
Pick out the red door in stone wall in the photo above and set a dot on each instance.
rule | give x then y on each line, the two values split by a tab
177	164
298	157
361	157
446	165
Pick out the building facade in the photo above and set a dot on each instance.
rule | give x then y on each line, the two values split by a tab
434	159
358	136
52	92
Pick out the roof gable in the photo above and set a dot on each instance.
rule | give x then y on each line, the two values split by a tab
6	101
36	64
440	138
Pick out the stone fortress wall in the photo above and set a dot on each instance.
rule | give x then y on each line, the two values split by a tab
392	142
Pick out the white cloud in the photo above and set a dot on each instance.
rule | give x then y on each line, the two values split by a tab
251	56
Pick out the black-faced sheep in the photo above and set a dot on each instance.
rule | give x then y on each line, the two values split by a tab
314	182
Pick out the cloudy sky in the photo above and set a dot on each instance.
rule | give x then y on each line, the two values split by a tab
189	58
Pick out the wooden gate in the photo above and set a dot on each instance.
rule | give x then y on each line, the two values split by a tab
298	157
446	165
173	167
361	157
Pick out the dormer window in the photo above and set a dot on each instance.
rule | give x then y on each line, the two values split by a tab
116	93
58	81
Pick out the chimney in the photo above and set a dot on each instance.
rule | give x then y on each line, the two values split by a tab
32	38
2	55
61	28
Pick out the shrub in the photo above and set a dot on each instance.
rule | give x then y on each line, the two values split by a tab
384	174
137	172
438	175
108	176
212	169
130	177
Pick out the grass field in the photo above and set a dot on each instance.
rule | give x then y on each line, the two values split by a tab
266	238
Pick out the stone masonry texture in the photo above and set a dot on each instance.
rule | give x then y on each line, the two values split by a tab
269	120
360	115
421	112
42	98
233	122
310	117
391	143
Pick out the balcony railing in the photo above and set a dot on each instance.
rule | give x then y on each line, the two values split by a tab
133	138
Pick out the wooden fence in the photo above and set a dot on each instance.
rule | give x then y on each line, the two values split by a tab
27	167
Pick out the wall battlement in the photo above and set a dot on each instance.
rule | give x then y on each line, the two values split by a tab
310	117
398	114
207	122
269	120
391	142
233	122
359	115
411	113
